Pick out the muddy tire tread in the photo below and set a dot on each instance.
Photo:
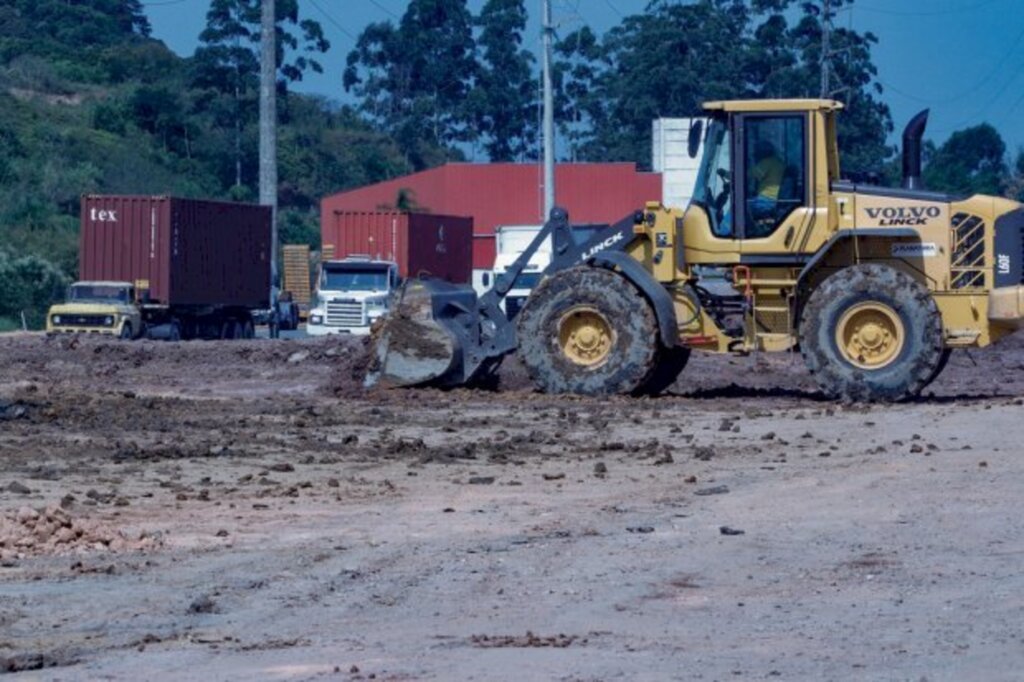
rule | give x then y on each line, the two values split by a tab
634	354
919	363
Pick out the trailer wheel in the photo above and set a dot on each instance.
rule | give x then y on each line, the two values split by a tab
588	330
248	331
126	332
872	333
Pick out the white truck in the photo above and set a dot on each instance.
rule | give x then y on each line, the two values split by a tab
512	240
351	294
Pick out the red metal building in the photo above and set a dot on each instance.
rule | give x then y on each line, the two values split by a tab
506	194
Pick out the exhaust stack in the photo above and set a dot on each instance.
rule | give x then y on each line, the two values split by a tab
912	135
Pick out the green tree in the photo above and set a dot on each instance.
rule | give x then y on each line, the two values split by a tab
971	161
414	78
1016	187
30	284
504	100
228	61
672	57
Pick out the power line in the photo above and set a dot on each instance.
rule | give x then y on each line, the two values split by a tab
930	13
333	21
974	88
610	6
384	9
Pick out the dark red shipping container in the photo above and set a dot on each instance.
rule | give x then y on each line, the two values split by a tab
420	243
191	252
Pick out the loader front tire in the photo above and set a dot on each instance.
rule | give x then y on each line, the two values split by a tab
588	331
871	333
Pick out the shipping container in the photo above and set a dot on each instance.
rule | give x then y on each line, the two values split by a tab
200	266
420	243
189	252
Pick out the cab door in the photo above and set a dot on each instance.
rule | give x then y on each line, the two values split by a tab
773	192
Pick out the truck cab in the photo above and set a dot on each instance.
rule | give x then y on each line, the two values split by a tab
107	308
351	294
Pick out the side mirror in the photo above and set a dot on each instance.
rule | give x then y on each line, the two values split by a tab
696	133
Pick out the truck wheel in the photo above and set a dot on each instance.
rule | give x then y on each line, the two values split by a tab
126	332
668	366
248	331
588	330
175	333
872	333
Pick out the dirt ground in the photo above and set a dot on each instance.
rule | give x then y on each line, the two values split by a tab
243	510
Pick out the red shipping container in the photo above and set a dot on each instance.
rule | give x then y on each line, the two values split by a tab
420	243
191	252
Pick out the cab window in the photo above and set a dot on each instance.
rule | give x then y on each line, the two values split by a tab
774	153
713	190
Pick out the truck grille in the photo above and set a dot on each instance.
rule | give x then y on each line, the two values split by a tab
341	313
83	321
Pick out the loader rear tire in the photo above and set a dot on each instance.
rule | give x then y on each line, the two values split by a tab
588	331
872	333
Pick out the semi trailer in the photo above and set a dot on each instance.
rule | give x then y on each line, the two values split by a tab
170	268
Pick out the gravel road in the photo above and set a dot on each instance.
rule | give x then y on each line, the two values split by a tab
244	510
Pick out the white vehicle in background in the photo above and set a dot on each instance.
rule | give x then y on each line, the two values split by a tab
512	240
350	295
509	242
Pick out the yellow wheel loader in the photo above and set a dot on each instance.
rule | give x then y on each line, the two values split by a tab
777	252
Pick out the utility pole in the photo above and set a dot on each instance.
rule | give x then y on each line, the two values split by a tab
268	140
549	113
826	56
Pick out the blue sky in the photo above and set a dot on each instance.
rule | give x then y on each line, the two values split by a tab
962	58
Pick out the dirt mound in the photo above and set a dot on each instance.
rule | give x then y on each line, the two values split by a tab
52	530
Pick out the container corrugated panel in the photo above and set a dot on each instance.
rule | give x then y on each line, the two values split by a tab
441	246
510	194
379	235
191	252
418	243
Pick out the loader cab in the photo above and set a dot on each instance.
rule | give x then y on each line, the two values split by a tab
758	189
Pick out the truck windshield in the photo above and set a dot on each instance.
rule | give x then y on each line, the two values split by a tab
354	280
99	292
528	280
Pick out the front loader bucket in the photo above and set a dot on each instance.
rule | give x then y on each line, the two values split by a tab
431	337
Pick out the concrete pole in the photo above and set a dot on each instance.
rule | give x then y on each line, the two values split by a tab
826	57
268	139
549	114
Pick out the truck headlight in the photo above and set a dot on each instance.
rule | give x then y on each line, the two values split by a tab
108	320
316	319
55	319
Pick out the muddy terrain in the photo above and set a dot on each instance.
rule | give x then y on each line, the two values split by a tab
245	510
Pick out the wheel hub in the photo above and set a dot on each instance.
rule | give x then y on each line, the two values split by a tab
585	336
870	335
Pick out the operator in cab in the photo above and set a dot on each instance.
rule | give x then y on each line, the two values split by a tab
767	174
